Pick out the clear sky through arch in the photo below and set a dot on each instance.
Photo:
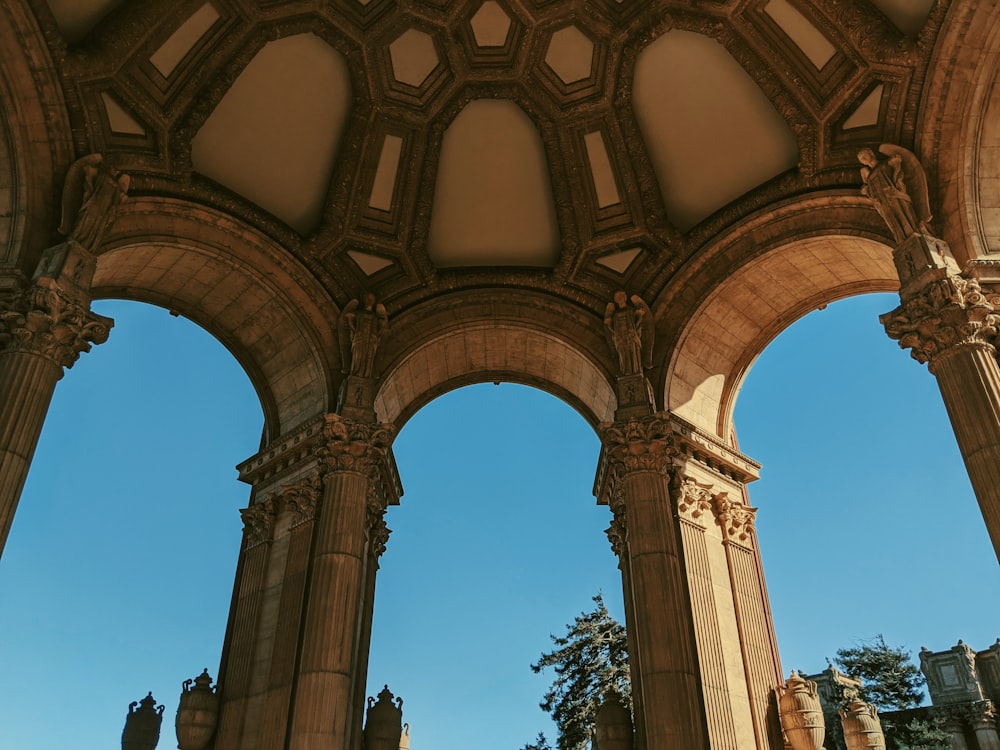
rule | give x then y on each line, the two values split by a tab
118	573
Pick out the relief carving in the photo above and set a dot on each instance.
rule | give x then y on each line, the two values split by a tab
359	329
694	501
617	532
258	521
641	444
947	313
42	320
303	498
897	188
736	519
354	446
91	196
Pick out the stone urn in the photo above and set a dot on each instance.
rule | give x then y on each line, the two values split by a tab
142	725
801	713
197	713
384	722
862	728
613	725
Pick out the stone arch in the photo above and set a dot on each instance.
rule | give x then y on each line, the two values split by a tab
758	301
35	140
495	350
963	159
259	303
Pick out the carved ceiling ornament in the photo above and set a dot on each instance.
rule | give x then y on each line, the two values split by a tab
947	314
354	446
639	444
42	320
736	519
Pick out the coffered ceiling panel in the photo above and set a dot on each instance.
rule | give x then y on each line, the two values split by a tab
273	137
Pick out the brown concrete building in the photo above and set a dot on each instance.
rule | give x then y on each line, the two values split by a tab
371	202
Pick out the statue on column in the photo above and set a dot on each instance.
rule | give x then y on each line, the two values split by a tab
360	327
91	195
897	188
629	324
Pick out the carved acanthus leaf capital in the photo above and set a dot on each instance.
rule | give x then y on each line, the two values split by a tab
641	444
974	714
694	501
303	498
947	313
354	446
617	532
42	320
258	521
736	519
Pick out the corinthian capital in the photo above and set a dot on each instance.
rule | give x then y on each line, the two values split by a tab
354	446
946	314
42	320
694	501
302	498
640	444
258	521
736	519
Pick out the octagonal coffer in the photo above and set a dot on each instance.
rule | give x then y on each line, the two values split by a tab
570	54
490	25
413	57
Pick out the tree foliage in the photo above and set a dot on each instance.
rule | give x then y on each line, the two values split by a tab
590	660
889	680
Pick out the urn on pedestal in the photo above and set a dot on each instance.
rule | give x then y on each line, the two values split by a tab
384	723
197	713
862	728
142	725
801	713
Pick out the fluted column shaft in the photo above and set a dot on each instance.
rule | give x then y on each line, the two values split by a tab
355	461
42	331
662	626
948	322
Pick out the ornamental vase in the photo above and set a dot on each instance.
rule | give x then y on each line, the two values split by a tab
862	728
613	725
384	723
142	725
197	713
801	713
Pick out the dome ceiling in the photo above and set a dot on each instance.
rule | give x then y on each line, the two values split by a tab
414	145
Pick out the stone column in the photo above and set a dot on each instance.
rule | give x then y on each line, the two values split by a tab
43	329
953	721
354	457
983	718
949	323
666	688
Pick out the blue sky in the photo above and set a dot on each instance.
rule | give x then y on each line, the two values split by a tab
118	573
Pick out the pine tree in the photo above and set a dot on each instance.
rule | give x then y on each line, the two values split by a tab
589	661
889	680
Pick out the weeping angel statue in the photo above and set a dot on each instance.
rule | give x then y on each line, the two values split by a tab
90	200
629	324
359	329
897	187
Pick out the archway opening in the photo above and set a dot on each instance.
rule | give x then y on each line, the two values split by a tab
867	521
497	543
117	576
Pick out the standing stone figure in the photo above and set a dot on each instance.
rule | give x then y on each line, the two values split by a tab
629	324
897	188
91	196
360	329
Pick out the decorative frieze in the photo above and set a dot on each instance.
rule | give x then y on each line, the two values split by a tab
947	314
42	320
